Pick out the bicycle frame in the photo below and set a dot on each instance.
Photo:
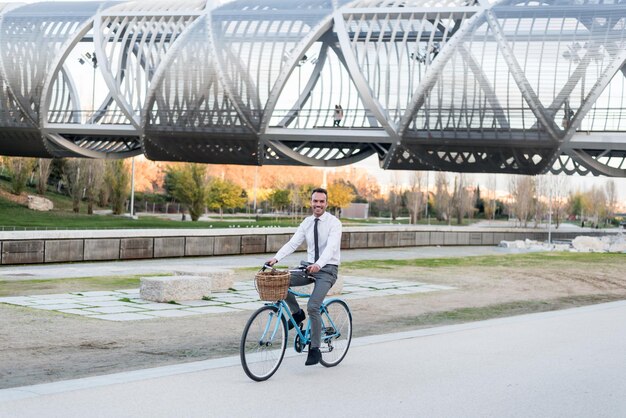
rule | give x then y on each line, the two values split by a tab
304	334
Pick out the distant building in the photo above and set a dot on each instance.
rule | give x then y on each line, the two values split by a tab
356	211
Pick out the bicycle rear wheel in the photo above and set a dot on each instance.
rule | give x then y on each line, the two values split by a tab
263	343
336	332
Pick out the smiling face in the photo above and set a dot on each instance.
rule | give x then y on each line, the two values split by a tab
318	204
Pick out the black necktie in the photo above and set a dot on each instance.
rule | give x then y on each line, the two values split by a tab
315	239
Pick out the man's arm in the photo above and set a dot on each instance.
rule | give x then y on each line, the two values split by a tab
291	246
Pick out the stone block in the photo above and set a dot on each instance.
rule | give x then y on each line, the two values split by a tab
422	238
176	288
169	247
227	245
63	250
450	238
199	246
375	240
221	279
436	238
406	239
101	249
275	242
463	238
39	203
252	244
487	238
131	248
475	238
358	240
345	240
392	239
22	252
502	236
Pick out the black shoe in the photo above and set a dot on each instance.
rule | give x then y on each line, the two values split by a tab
298	317
314	357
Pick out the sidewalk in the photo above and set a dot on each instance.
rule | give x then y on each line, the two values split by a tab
152	266
566	363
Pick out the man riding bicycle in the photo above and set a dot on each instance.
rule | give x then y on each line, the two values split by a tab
322	232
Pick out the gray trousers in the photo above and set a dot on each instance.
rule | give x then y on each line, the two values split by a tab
324	280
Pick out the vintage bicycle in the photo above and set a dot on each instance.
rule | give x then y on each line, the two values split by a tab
264	338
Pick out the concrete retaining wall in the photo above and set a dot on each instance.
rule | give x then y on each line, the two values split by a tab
34	247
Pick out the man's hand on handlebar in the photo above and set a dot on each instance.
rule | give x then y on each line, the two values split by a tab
313	268
271	262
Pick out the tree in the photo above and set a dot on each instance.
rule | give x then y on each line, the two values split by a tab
74	180
576	204
94	179
20	170
490	205
340	195
117	179
395	198
415	198
189	184
611	199
559	185
280	199
224	194
462	200
522	189
598	209
44	165
441	198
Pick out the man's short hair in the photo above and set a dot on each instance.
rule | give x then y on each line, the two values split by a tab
319	190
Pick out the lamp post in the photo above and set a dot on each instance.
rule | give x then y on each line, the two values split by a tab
301	62
132	188
90	57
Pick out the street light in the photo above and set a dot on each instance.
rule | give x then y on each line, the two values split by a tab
90	57
301	62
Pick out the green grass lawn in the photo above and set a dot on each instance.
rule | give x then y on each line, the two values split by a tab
16	216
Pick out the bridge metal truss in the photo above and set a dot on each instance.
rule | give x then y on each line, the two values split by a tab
521	87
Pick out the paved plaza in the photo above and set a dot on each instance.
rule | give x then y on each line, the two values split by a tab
126	305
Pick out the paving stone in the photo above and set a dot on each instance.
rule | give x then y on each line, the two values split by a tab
122	317
90	299
96	293
108	306
19	301
140	301
116	309
104	303
153	306
196	303
128	291
56	296
213	309
56	301
58	307
172	313
251	306
77	311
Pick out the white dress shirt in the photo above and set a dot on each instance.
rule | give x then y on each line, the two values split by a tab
329	240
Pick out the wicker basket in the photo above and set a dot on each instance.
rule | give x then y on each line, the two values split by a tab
272	285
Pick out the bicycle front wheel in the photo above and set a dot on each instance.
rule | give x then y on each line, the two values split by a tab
263	343
336	332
